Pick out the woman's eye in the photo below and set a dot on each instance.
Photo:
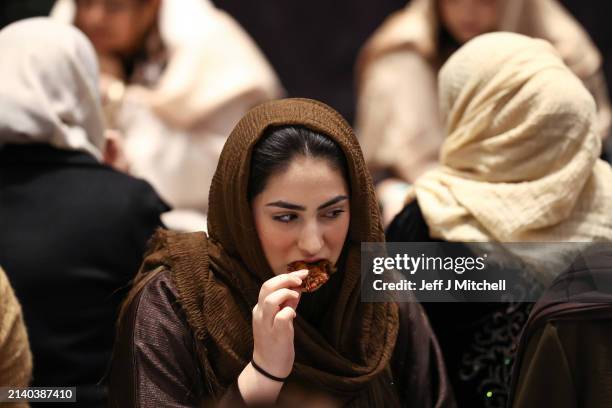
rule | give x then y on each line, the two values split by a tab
285	218
333	213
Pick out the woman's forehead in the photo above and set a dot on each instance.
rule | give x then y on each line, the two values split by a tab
307	179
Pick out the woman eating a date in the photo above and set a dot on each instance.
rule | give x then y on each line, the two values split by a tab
266	309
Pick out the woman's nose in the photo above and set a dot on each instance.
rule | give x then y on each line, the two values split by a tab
311	240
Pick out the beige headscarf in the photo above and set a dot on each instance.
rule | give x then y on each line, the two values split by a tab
416	26
520	162
49	91
211	62
15	356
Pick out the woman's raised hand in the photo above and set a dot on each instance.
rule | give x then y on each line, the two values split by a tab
273	348
273	316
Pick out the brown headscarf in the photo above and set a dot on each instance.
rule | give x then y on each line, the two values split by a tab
218	278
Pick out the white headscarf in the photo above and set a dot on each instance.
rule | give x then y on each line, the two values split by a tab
520	162
49	91
212	62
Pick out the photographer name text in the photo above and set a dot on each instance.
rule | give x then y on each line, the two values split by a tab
440	285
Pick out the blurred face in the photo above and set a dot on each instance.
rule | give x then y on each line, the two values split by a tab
466	19
303	213
116	26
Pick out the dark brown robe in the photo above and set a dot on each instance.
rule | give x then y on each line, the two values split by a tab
156	358
565	355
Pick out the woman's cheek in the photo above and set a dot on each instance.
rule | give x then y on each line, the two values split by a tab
278	244
338	234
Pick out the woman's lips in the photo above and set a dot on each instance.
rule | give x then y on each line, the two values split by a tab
311	260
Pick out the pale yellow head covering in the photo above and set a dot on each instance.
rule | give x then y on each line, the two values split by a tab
520	162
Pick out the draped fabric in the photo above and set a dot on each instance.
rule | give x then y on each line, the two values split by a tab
206	68
398	121
198	74
416	27
520	162
52	95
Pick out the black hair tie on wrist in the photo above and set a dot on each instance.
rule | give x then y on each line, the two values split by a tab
267	374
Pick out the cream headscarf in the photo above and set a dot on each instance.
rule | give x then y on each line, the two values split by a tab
49	91
206	73
211	62
520	162
416	27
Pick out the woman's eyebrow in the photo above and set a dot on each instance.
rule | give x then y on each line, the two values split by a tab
288	206
333	201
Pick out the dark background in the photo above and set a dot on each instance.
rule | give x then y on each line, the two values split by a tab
313	44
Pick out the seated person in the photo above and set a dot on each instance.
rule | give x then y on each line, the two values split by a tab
564	358
398	119
176	77
520	164
72	230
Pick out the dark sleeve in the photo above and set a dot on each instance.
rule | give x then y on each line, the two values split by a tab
546	369
155	362
567	364
408	226
418	366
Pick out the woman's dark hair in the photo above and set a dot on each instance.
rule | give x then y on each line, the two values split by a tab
447	44
279	145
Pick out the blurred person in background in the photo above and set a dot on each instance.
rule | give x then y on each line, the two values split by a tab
520	164
72	230
175	78
564	358
15	356
398	120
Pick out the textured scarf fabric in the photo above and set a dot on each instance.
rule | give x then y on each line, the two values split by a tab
520	162
15	356
49	90
218	279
